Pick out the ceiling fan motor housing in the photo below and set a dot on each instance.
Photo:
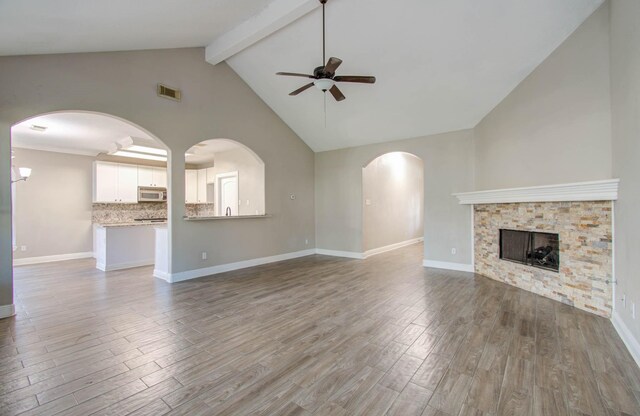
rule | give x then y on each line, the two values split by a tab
319	73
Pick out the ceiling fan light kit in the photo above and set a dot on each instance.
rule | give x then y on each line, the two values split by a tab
324	77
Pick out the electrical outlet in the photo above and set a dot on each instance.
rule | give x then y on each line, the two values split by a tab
23	248
247	202
15	248
454	250
204	255
367	202
306	241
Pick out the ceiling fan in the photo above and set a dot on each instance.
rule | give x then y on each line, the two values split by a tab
325	76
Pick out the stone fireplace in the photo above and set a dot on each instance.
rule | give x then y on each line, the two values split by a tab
584	240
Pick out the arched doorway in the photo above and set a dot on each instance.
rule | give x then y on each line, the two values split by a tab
393	202
87	168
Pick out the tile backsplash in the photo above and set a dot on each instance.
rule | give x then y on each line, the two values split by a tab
122	213
199	210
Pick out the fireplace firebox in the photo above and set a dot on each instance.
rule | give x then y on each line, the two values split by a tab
531	248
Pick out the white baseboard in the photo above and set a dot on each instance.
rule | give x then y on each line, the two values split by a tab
208	271
162	275
627	337
390	247
49	259
338	253
121	266
461	267
7	311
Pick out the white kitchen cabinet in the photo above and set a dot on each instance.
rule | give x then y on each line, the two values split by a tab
115	182
160	177
105	182
202	186
127	183
211	175
191	186
152	176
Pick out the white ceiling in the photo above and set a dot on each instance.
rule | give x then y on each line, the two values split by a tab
441	65
77	133
46	26
91	134
205	151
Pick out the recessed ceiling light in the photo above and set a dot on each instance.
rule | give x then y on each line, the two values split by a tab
135	155
145	149
36	127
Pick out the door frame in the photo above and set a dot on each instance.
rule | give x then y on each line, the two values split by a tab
219	177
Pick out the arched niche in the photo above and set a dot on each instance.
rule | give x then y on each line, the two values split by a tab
393	200
223	177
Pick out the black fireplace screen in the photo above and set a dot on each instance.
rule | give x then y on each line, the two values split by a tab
531	248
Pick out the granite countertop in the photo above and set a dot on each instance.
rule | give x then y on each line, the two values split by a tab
222	217
132	224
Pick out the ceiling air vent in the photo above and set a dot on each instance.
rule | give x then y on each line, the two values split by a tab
168	92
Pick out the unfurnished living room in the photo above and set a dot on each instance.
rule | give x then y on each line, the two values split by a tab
320	207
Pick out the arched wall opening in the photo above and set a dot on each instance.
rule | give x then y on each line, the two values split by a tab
223	177
56	209
393	201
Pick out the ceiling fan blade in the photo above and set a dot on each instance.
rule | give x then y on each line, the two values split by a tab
299	90
332	65
337	94
355	78
294	74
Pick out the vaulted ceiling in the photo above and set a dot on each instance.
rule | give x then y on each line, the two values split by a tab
441	65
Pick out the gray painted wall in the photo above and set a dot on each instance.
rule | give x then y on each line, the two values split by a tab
393	184
216	103
448	168
53	207
555	127
625	100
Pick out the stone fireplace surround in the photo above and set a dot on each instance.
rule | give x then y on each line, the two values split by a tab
582	215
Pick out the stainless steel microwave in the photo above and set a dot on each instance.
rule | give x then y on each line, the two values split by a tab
146	194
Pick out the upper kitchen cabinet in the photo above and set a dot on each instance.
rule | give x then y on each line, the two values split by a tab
152	176
191	186
115	182
202	186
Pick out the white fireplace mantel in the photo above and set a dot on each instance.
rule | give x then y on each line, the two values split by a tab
606	190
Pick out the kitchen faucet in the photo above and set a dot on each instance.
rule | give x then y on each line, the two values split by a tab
227	212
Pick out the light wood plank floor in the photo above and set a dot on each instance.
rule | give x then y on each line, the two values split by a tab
312	336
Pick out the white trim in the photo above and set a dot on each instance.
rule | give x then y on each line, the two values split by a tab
162	275
338	253
614	280
7	311
473	238
127	265
448	266
208	271
627	337
606	190
49	259
390	247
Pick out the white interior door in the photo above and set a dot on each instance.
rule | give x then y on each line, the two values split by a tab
228	193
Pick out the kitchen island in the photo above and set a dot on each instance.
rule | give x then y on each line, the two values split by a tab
124	245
